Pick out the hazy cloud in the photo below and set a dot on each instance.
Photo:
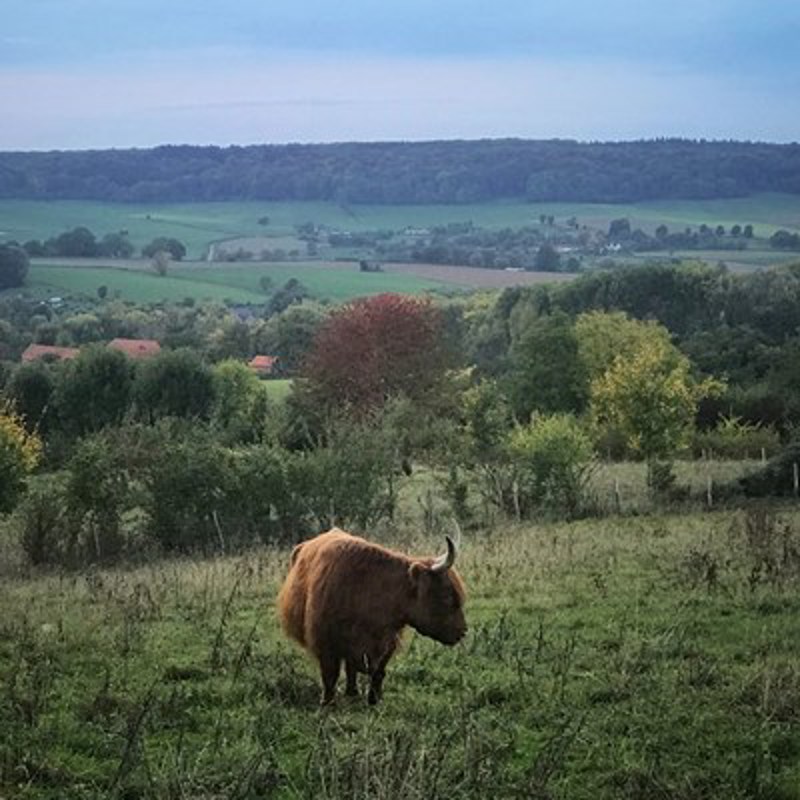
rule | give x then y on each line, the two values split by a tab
80	73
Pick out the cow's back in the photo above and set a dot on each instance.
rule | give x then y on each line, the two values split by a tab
311	582
329	588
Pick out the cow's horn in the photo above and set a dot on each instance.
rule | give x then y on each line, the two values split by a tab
445	561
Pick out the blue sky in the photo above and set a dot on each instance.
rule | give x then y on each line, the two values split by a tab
118	73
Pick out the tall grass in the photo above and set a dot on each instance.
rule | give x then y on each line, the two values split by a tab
639	657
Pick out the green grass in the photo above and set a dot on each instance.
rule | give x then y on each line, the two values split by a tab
638	657
325	281
223	282
198	224
133	285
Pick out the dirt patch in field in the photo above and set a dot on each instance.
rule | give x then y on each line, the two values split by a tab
478	277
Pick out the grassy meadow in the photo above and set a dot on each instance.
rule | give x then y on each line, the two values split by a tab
648	656
200	224
237	283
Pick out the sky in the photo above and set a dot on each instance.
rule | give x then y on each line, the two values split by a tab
77	74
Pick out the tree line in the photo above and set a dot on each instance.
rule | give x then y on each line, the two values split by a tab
409	172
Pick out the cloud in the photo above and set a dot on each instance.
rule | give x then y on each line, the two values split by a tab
305	97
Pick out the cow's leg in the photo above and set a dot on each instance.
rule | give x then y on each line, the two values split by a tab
377	674
351	670
329	666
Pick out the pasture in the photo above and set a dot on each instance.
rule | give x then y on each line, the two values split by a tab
221	282
200	224
637	657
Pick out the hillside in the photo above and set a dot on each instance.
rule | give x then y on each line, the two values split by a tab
404	172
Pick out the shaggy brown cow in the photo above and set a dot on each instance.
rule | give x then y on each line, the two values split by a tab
347	599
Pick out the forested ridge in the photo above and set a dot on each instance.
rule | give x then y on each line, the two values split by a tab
408	172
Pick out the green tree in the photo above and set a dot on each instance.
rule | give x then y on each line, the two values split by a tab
547	258
174	383
545	370
175	248
552	456
290	335
241	402
604	335
651	398
31	388
94	390
619	229
13	266
115	245
80	242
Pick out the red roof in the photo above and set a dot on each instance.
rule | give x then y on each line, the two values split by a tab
136	348
263	363
34	351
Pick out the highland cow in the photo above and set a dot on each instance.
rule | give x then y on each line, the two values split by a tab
348	600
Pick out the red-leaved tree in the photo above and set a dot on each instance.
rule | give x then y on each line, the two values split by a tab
376	348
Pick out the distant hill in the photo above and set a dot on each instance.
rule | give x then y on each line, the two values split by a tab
412	172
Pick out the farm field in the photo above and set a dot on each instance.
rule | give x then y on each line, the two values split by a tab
637	657
220	282
200	224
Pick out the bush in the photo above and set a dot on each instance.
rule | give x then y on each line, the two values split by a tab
20	452
186	484
776	478
42	523
349	479
552	457
736	439
13	266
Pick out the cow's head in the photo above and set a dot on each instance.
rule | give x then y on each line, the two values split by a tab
438	598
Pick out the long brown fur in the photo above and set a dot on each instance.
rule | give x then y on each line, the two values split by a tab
347	600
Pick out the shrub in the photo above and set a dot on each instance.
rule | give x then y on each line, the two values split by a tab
735	438
186	483
552	457
776	478
20	452
349	479
42	523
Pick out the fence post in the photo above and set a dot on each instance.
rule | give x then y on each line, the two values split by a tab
796	477
710	491
617	496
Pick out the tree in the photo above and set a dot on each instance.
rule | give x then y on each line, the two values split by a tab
290	293
174	383
376	348
115	245
31	388
747	232
651	398
161	259
175	248
78	243
619	229
290	334
14	263
20	452
602	336
546	374
551	456
736	230
94	390
547	258
241	402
